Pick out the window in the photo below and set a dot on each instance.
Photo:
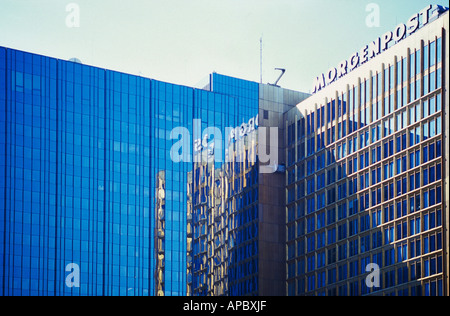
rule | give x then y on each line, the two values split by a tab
389	213
399	73
300	127
354	269
376	218
310	167
311	243
308	125
342	231
311	205
331	236
331	196
353	207
342	251
432	53
311	262
418	61
439	50
328	112
364	201
331	216
353	247
389	257
413	92
439	78
353	227
332	255
310	187
412	64
321	220
321	243
343	272
432	81
331	276
311	283
388	127
321	181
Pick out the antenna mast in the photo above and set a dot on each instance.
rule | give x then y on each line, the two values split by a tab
261	59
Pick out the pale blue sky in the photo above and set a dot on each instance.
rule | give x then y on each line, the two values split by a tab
182	41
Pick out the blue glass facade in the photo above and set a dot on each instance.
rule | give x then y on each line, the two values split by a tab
246	92
77	178
171	106
242	197
218	241
82	149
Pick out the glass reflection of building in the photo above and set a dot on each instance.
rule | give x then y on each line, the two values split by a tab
160	229
236	214
223	213
366	176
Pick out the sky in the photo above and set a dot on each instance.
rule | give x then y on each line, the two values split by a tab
182	41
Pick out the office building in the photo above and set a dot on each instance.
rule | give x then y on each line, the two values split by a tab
367	170
236	209
91	200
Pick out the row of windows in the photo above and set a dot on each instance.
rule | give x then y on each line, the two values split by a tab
367	159
400	121
395	232
384	259
376	175
363	116
405	274
419	200
376	195
319	283
25	289
388	213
